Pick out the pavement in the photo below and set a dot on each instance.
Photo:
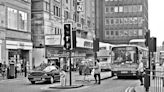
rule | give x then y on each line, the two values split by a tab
80	80
156	85
77	80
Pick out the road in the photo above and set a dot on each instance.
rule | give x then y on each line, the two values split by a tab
108	85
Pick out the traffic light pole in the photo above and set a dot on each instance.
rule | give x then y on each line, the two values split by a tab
147	75
70	69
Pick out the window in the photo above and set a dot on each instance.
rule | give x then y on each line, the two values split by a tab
57	11
116	9
107	9
140	32
111	21
107	32
112	33
140	20
140	8
54	10
111	9
67	1
120	8
47	6
22	21
12	18
66	14
117	21
117	33
107	21
121	20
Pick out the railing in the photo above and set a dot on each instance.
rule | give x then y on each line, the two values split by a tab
156	81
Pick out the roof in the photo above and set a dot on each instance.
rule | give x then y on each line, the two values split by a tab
137	40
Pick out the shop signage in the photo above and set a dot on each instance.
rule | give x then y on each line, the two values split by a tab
53	40
18	45
84	43
88	44
80	5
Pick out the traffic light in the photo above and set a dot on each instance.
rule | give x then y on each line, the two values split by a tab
96	45
67	36
74	39
147	38
153	44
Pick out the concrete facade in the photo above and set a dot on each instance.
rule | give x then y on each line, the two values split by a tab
121	20
48	17
15	31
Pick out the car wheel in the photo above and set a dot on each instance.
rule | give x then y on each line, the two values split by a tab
51	80
32	82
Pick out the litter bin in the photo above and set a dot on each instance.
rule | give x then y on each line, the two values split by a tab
11	71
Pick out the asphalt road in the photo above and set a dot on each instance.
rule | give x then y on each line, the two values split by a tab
108	85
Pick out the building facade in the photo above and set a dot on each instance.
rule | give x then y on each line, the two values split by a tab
48	18
15	32
119	21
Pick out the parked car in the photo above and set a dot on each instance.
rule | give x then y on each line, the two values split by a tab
44	73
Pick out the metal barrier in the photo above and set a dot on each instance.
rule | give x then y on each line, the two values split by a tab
156	81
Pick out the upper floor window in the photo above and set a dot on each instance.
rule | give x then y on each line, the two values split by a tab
67	1
12	18
22	20
107	9
17	20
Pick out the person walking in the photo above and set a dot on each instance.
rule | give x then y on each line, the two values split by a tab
140	70
86	72
97	72
62	77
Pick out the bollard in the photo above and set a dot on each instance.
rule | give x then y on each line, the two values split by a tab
147	80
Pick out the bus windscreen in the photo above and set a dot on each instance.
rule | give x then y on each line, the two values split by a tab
124	54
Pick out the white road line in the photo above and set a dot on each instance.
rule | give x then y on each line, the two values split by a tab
131	89
127	89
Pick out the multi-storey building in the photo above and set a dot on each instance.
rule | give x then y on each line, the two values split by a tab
119	21
48	17
15	31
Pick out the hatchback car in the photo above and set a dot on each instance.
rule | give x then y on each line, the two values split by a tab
48	73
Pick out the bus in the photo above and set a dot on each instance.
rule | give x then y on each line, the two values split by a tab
125	59
104	55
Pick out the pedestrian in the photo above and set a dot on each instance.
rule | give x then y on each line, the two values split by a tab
4	67
62	77
140	71
86	71
97	71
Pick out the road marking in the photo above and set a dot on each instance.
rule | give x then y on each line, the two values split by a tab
127	89
130	89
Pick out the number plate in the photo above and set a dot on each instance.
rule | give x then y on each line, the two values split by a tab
124	72
37	78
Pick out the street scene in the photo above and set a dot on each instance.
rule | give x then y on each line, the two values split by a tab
81	46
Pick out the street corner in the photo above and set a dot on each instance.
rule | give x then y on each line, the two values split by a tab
67	86
58	86
130	89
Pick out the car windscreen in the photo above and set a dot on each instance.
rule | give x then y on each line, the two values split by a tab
49	68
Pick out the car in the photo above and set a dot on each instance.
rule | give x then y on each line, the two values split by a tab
44	73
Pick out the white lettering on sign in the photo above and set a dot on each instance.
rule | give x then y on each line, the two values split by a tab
80	1
80	8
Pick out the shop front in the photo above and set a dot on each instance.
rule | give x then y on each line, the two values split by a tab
19	53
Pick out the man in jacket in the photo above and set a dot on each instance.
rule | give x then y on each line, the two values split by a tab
140	70
97	72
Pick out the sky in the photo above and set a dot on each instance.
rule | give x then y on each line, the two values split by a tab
156	20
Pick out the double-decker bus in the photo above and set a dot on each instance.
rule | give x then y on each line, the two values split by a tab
125	59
